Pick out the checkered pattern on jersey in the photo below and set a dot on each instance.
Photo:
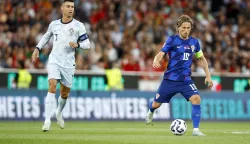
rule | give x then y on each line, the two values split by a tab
180	53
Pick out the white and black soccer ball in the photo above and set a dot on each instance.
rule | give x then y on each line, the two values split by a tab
178	127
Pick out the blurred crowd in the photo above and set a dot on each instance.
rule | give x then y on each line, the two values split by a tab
129	32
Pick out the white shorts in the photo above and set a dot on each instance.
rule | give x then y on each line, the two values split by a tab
65	75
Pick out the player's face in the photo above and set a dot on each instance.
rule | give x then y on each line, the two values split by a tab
184	30
68	9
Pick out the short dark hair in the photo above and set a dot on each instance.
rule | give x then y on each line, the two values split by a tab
68	1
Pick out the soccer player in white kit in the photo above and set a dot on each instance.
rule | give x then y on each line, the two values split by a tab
68	35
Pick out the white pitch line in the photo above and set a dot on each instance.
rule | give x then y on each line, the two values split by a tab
238	132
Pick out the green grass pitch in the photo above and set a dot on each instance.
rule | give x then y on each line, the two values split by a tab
126	132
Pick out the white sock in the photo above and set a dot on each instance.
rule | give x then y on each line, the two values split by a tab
61	104
49	105
195	129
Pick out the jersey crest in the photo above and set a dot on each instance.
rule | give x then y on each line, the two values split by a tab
71	31
192	47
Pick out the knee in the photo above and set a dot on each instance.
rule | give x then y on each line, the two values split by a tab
156	105
64	95
52	87
195	99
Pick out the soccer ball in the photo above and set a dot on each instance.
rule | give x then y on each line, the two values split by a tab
178	127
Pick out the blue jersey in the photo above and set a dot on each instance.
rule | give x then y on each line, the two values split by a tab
180	54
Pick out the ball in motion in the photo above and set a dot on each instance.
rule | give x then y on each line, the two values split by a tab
178	127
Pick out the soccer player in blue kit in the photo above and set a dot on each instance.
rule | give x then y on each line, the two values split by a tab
177	77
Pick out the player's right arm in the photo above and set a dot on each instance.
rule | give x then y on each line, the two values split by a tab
44	40
157	59
165	49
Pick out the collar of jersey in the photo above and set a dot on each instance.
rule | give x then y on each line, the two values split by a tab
67	22
183	39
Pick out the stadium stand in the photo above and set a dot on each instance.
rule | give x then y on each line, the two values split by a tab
129	32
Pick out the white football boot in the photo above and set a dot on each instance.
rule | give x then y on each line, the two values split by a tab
60	120
46	126
197	132
149	118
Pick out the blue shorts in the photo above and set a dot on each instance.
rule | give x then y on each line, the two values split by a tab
169	88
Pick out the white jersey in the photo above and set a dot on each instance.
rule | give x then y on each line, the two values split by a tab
63	33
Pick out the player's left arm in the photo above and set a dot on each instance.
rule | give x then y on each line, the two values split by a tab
83	40
203	63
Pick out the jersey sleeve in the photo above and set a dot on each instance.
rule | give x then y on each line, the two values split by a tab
46	37
167	45
198	51
83	40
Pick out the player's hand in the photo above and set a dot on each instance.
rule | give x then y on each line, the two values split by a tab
73	44
208	82
156	64
35	55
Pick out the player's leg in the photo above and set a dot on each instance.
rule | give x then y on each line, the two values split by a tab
164	94
191	93
152	107
62	99
196	114
50	100
49	104
65	85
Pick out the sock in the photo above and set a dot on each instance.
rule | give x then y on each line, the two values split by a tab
49	105
195	129
196	115
150	107
61	104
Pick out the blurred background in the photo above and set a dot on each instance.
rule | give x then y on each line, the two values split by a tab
115	78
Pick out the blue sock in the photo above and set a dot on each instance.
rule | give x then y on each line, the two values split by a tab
196	115
150	107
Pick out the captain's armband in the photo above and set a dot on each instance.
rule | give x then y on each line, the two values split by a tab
198	54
